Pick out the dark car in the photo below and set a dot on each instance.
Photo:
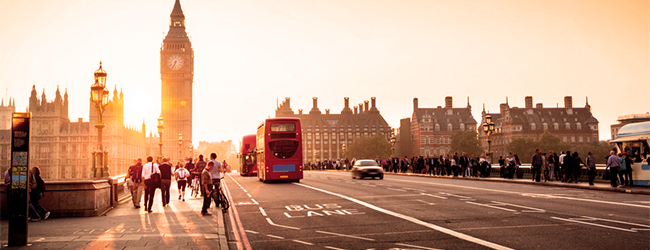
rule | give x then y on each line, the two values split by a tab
367	168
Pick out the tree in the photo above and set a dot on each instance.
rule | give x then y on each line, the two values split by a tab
369	148
549	142
524	147
600	150
466	141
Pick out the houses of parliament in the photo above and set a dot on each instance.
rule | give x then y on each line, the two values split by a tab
62	148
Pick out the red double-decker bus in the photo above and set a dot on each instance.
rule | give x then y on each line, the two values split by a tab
247	155
279	149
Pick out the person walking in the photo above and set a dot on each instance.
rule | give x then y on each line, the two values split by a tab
196	172
623	169
206	179
149	170
568	167
37	193
551	165
591	168
134	174
576	167
181	175
165	180
628	172
613	164
536	165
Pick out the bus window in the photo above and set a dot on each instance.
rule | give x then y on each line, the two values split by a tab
283	149
283	127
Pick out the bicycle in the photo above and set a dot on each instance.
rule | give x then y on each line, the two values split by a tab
196	187
222	200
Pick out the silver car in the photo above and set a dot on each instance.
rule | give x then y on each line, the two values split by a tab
367	168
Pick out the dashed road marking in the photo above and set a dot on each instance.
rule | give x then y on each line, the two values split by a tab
486	205
432	195
334	248
262	210
303	242
345	235
275	236
273	224
251	231
420	247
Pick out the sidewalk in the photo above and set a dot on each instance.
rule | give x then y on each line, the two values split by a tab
178	226
582	185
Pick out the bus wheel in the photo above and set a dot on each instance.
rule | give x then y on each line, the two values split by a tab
295	180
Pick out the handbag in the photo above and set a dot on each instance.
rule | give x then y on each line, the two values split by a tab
154	181
605	175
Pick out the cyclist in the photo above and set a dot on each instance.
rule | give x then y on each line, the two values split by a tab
196	175
215	172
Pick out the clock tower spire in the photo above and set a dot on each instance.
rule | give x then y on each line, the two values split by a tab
177	76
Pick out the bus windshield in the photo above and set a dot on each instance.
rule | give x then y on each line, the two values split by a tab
283	127
283	148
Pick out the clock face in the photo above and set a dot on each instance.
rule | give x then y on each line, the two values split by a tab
175	62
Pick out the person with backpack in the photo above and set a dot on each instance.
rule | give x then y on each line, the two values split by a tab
37	193
165	180
181	175
134	174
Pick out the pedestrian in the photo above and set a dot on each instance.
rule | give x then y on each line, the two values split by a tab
613	164
591	168
551	165
134	174
165	180
536	165
148	170
624	166
544	169
511	164
215	174
37	193
628	172
502	167
181	175
563	168
206	179
576	167
568	167
189	166
196	173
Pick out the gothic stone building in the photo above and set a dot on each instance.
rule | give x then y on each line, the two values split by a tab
572	125
5	132
325	134
431	128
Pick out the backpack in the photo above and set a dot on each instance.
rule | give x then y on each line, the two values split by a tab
135	172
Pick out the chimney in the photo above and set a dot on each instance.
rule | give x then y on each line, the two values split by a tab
366	106
287	101
346	106
355	109
300	111
448	102
360	108
502	108
415	104
314	108
568	102
529	102
373	103
539	106
327	111
80	120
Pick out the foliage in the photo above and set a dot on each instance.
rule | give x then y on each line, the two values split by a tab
600	150
369	148
466	141
525	147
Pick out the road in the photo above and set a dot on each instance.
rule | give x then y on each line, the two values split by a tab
330	210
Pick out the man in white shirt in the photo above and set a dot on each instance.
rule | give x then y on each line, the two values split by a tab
215	172
147	170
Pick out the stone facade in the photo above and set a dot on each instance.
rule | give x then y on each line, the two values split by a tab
5	132
325	134
572	125
177	74
431	128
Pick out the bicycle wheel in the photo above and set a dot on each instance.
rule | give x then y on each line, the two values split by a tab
224	202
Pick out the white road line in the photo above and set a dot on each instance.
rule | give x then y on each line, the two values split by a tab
434	196
335	248
458	196
616	221
254	201
252	232
344	235
249	195
536	210
428	203
401	190
414	220
407	245
262	210
486	205
303	242
594	224
520	193
273	224
274	236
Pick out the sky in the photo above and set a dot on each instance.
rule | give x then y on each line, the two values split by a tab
249	54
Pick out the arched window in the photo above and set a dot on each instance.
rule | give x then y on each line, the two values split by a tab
567	125
578	126
533	126
556	126
437	128
449	127
462	126
545	126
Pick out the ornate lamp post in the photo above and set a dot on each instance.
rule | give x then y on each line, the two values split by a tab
343	148
191	149
99	96
392	142
180	147
161	128
488	128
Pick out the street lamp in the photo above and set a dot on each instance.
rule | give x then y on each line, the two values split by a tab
99	96
180	147
343	148
392	141
161	128
488	128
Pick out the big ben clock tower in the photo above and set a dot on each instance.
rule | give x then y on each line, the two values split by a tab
177	74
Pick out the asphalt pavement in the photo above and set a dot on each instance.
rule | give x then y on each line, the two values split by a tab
179	225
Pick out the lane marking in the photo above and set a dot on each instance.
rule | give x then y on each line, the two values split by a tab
274	236
262	210
345	235
407	245
428	203
486	205
594	224
237	227
457	196
401	190
335	248
520	193
273	224
249	195
414	220
251	231
444	198
303	242
254	201
535	210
